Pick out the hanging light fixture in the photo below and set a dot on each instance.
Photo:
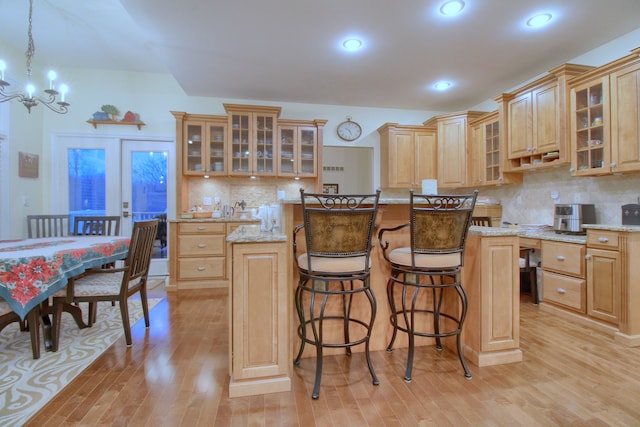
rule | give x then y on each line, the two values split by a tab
28	98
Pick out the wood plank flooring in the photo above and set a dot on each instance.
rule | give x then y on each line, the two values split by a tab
176	374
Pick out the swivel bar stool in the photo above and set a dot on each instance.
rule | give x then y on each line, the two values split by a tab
338	232
438	229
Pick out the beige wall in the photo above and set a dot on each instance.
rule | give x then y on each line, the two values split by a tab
153	96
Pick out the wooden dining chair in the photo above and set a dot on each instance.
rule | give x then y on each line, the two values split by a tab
114	284
48	226
483	221
96	225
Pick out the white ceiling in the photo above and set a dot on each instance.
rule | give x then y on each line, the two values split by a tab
287	50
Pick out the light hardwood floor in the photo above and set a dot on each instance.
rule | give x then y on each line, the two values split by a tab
176	375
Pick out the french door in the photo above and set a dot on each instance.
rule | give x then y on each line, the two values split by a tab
106	175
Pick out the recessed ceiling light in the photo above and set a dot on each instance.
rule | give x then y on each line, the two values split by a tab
452	7
442	85
539	20
352	44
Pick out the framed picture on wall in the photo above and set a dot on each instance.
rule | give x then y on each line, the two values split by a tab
330	188
28	165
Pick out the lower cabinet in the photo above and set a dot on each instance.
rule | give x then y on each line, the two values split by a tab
260	354
563	275
198	254
604	288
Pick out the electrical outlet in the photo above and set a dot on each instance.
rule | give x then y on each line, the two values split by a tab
519	200
206	201
26	201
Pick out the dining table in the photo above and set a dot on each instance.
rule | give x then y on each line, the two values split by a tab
32	270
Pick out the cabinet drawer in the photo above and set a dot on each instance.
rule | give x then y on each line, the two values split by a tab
201	227
565	290
201	268
193	245
567	258
602	239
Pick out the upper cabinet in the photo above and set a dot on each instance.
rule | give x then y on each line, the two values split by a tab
252	132
408	154
533	119
203	147
486	152
298	153
605	118
453	148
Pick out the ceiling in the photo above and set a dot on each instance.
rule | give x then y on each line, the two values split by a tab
288	50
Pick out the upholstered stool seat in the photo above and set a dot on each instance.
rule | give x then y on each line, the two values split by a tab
333	270
422	273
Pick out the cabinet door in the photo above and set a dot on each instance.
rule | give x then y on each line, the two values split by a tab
194	154
476	154
452	152
625	119
590	124
287	139
240	148
260	316
603	285
401	160
216	159
425	157
262	143
307	153
546	120
520	132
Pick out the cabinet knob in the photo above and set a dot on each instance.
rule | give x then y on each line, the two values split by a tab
603	239
560	258
572	170
561	291
587	257
202	268
613	165
202	245
201	228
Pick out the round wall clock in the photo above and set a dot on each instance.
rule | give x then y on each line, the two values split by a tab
349	130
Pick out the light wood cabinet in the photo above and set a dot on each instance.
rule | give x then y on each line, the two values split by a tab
535	120
298	153
453	154
563	274
605	117
201	143
259	351
252	137
604	290
198	257
408	154
486	152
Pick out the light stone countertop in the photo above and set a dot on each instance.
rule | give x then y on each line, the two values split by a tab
252	234
232	219
628	228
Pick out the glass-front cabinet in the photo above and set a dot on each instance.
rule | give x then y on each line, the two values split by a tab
298	151
590	123
204	147
252	150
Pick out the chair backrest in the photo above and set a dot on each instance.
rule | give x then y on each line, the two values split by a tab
338	226
440	223
96	225
138	259
483	221
48	226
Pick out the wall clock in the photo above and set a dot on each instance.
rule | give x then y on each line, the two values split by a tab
349	130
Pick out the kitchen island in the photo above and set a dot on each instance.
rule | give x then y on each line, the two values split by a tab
490	277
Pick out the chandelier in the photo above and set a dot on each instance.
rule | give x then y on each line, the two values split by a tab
28	98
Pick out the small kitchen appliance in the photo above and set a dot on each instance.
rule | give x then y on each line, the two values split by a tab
569	218
631	214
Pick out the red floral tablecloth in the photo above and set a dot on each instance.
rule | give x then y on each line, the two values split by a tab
32	270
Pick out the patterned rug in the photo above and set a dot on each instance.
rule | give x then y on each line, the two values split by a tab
26	385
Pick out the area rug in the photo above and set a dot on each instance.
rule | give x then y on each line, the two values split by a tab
26	385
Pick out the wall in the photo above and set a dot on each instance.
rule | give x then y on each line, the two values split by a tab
153	96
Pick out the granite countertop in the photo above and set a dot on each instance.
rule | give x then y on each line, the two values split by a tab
628	228
252	234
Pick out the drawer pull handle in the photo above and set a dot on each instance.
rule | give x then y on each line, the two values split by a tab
561	291
202	245
201	228
603	240
560	258
202	268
